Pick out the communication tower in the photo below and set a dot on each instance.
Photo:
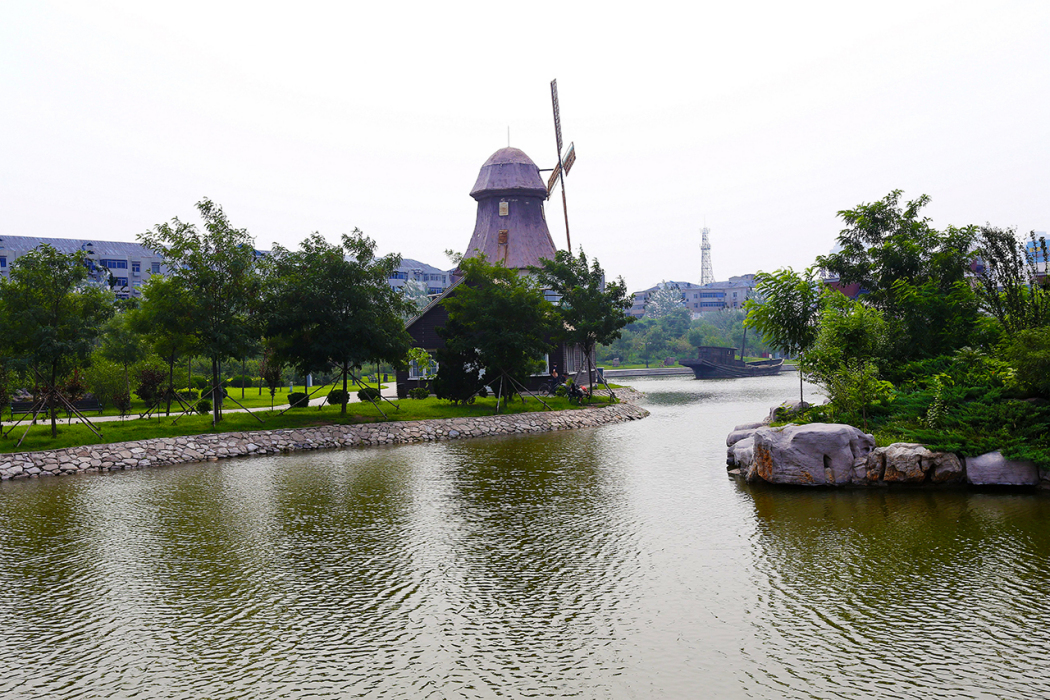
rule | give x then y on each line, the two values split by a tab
707	275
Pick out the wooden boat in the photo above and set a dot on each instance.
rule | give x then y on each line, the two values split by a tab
721	363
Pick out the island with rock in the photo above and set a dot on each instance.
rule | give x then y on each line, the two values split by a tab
840	455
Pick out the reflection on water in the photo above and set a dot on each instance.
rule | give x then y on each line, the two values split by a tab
618	562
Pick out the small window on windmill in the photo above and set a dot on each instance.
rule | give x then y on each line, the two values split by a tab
504	208
503	236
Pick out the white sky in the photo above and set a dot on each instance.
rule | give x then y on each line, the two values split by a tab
762	119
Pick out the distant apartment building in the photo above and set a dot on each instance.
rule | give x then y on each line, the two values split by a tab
701	299
436	280
124	267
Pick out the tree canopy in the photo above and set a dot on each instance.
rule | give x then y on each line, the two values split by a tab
216	268
328	305
591	311
52	316
499	324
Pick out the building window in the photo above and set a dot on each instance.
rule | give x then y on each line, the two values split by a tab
136	267
114	264
3	261
434	290
428	372
154	268
121	281
398	275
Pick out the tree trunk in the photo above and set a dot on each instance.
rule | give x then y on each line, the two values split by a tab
342	408
243	365
799	370
215	392
171	383
54	409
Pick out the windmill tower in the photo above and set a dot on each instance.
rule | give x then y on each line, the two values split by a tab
707	275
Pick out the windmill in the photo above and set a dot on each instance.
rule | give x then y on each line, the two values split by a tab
564	163
707	275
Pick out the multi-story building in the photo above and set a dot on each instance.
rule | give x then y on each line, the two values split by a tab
124	267
700	299
437	281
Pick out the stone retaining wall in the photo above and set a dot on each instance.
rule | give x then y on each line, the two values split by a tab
215	446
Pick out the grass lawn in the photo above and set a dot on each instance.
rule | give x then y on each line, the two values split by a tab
39	437
252	399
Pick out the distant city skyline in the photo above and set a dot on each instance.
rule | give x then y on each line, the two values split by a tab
759	122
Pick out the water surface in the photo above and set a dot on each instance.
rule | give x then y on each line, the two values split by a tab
618	562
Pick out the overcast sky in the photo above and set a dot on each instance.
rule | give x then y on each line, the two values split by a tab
760	119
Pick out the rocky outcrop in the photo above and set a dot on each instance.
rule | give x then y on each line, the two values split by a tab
215	446
817	454
821	454
993	469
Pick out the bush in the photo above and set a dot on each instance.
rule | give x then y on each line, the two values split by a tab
203	407
122	400
242	381
338	397
297	399
189	394
199	383
1029	354
419	392
368	394
150	381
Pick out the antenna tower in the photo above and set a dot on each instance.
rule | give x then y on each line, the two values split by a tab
707	275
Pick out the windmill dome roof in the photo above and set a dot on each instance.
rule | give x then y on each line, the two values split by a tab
509	171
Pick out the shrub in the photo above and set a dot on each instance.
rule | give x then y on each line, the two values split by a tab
1029	354
297	399
150	381
368	394
419	392
203	407
189	394
122	400
199	383
338	397
242	381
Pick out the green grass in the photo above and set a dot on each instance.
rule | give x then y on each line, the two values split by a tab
39	437
251	399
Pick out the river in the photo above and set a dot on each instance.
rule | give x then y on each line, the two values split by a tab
618	562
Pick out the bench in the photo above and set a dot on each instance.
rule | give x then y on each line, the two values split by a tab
85	405
19	407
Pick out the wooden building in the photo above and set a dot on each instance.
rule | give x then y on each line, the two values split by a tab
511	227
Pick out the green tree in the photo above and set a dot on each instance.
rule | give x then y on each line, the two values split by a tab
784	310
503	317
1010	287
272	371
121	344
53	316
216	268
911	271
165	319
332	305
1028	352
590	310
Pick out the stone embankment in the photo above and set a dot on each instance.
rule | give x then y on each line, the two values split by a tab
214	446
825	454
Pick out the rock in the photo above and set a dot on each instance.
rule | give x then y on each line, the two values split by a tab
816	454
992	469
749	426
739	434
947	468
786	411
869	468
906	463
741	453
